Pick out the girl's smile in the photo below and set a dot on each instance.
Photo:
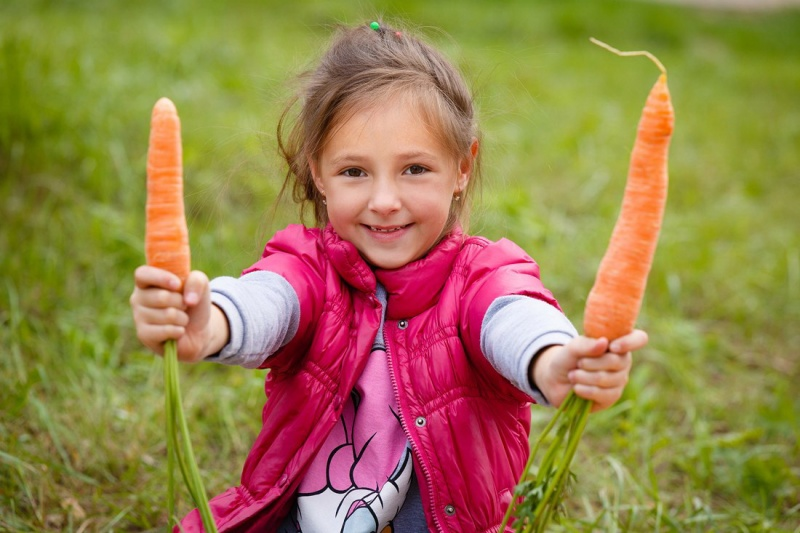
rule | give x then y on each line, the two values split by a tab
386	235
387	230
388	183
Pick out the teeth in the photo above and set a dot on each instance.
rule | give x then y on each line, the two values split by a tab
390	230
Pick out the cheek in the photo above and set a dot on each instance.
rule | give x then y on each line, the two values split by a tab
433	203
340	211
334	217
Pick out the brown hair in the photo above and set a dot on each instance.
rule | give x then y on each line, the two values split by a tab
361	68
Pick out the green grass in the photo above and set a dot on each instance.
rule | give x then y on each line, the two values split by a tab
706	436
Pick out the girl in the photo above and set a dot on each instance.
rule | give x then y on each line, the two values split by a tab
403	353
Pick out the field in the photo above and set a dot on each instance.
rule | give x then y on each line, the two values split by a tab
706	436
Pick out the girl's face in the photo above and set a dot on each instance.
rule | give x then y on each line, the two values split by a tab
388	183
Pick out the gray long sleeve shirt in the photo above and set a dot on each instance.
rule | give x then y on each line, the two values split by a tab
263	314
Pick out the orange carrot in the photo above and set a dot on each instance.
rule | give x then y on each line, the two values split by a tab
612	306
166	235
615	299
167	247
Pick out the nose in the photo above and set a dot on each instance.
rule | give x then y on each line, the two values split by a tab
385	196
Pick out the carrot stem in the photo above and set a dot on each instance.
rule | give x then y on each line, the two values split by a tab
645	53
546	464
179	445
170	352
574	427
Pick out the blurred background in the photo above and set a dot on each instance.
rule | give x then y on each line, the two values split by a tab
706	436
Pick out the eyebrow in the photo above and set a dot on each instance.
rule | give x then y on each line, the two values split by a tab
355	158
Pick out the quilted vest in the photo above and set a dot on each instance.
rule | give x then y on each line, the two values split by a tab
468	426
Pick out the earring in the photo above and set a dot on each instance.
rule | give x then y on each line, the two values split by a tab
324	201
457	197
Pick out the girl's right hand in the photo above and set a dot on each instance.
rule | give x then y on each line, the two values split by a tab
162	312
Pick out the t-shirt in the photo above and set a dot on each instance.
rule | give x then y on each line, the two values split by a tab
361	477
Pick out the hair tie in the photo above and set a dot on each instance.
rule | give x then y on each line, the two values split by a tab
376	26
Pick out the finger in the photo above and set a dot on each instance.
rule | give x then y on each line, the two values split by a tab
635	340
588	347
609	361
157	299
147	276
161	316
601	397
196	288
154	336
600	380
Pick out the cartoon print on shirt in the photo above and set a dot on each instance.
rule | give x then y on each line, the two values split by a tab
363	471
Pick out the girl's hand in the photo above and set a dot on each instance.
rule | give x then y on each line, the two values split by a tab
596	370
161	312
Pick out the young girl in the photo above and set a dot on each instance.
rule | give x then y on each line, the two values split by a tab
403	353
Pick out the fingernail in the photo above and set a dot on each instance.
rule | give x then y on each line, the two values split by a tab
571	376
192	298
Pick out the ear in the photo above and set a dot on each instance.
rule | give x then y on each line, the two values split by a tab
466	166
312	164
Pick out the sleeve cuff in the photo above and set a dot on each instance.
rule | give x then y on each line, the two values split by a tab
235	328
263	314
514	330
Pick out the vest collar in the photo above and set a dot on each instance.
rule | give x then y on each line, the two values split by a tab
410	289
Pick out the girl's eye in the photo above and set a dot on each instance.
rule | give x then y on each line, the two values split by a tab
353	172
416	169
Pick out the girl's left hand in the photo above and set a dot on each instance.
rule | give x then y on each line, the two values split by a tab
596	370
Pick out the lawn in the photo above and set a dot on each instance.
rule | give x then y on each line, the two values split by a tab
706	436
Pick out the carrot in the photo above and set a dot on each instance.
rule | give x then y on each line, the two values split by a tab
612	305
616	297
167	247
166	235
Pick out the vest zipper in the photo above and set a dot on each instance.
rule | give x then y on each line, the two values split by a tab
425	470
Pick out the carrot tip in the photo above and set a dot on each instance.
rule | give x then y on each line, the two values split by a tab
164	104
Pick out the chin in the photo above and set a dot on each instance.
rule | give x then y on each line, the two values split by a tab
389	263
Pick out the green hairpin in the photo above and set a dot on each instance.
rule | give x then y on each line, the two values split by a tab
375	26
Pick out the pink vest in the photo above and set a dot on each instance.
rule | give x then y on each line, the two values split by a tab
468	425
